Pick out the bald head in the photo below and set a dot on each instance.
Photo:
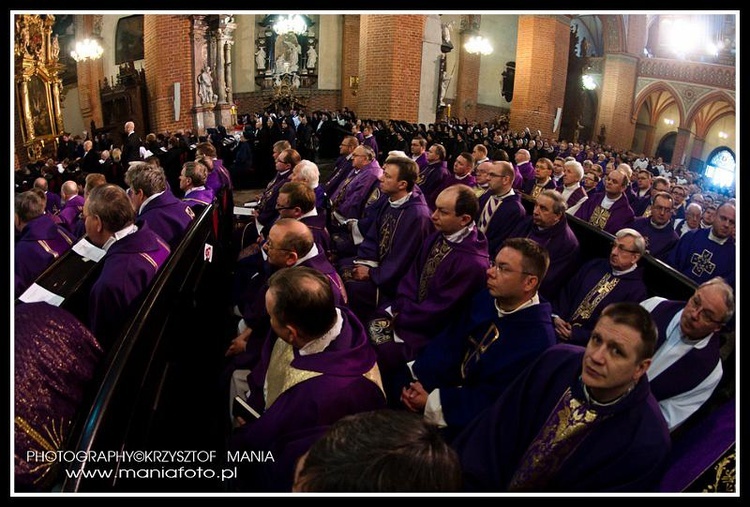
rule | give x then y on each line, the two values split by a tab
41	184
296	236
69	189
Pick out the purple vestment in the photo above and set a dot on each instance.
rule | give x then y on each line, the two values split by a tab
54	203
527	171
618	216
469	180
219	177
41	242
266	210
199	197
350	198
317	225
475	359
701	259
578	194
70	215
432	180
168	217
505	218
590	290
341	169
128	268
532	189
659	242
544	435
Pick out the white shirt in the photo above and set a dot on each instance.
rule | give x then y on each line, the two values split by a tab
679	407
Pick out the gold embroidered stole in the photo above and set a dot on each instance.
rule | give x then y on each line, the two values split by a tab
647	213
536	190
282	376
589	303
51	443
599	217
440	249
388	228
478	347
341	193
568	425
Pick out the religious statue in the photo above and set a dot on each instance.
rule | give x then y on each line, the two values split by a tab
55	47
205	86
296	81
584	48
288	52
443	86
260	58
312	57
446	45
577	131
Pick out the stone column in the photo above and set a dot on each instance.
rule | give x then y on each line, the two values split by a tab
648	141
202	114
224	41
467	75
680	145
616	99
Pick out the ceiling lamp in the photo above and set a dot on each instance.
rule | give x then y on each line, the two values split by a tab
87	49
588	82
478	45
294	23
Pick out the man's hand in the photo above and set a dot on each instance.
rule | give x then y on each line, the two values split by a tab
361	272
239	344
414	397
562	328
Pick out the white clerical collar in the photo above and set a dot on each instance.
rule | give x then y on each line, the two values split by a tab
531	302
282	174
607	202
506	194
459	236
126	231
350	156
461	177
195	189
716	239
543	183
616	272
312	213
151	198
596	403
320	344
309	255
573	186
660	227
399	202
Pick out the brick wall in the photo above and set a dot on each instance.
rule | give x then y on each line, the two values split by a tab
467	82
390	59
166	48
616	102
349	60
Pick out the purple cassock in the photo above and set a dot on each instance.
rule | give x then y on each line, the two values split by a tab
320	198
700	258
475	359
659	242
71	213
305	395
199	196
532	189
350	198
618	216
563	248
436	289
321	236
640	203
266	209
590	290
393	240
527	171
546	435
55	360
578	194
432	180
41	242
54	203
168	217
371	142
502	222
128	268
219	177
421	161
469	180
341	169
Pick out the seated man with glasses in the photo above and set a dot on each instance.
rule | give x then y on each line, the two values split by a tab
465	368
687	367
657	229
598	283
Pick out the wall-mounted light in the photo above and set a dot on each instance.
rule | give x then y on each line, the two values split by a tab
668	121
478	45
723	135
87	49
588	82
293	23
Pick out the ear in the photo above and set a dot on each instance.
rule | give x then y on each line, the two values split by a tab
291	258
466	219
641	369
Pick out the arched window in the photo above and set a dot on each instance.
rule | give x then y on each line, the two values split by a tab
720	167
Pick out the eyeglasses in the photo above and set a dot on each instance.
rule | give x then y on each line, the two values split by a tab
704	316
269	246
502	269
620	247
495	175
666	209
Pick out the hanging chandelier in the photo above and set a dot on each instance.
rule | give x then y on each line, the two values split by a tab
87	49
477	45
292	23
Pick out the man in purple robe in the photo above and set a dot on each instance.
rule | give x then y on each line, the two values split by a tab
657	229
308	173
40	240
218	178
317	367
462	167
500	208
640	199
448	271
72	210
465	368
598	283
342	166
434	177
297	200
193	185
155	204
133	257
266	212
392	240
706	253
576	420
642	207
687	364
524	167
549	227
609	210
572	191
54	202
418	149
542	178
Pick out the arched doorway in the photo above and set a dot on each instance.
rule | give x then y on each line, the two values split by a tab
666	147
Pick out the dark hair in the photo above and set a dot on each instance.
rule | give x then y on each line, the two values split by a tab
304	298
467	202
408	170
381	451
535	258
111	204
300	195
638	318
30	204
